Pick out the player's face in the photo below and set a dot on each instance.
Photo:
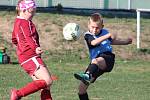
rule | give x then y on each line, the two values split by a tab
30	13
95	27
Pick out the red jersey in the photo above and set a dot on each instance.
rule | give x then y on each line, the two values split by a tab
26	38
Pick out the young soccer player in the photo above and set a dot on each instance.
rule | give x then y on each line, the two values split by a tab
99	42
26	38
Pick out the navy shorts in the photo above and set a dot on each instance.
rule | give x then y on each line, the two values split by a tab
109	59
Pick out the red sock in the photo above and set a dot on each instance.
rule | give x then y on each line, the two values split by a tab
31	88
46	94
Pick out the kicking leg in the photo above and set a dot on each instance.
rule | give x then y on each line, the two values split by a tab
92	72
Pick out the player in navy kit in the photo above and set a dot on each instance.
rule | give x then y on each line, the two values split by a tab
99	42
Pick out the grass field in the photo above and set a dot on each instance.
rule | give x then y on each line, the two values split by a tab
129	79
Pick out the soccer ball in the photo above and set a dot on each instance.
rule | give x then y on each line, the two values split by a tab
71	31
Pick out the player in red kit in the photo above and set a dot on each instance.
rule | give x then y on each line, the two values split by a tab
26	39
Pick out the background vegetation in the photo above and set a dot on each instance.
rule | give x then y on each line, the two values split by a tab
128	81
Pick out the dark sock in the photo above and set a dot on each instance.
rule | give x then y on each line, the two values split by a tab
94	71
92	68
83	96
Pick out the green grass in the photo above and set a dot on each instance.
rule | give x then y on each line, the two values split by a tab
129	80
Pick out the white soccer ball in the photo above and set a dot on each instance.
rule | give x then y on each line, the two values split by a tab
71	31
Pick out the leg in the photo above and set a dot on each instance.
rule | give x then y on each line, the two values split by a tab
97	67
83	91
44	74
45	93
44	81
94	70
100	65
100	62
39	72
28	89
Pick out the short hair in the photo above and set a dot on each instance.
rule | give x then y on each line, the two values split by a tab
96	17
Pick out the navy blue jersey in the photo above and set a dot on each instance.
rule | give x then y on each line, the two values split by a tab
104	46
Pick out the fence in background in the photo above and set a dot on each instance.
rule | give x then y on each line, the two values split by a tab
91	4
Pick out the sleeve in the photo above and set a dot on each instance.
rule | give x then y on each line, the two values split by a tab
29	36
88	39
110	39
14	40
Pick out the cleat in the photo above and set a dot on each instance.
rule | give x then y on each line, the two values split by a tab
83	77
14	95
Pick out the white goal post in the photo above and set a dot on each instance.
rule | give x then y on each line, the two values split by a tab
138	24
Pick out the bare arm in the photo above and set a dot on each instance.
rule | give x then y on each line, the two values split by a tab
100	39
115	40
118	41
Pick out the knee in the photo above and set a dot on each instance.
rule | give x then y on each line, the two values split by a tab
49	82
47	77
94	61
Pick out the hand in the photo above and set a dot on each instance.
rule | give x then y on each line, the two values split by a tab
38	51
129	40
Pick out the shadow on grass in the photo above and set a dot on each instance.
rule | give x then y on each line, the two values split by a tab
144	50
14	63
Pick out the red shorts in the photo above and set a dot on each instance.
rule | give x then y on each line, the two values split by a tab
32	64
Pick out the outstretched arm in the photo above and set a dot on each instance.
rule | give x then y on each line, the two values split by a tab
118	41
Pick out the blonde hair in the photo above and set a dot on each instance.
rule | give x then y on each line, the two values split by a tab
18	8
96	17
